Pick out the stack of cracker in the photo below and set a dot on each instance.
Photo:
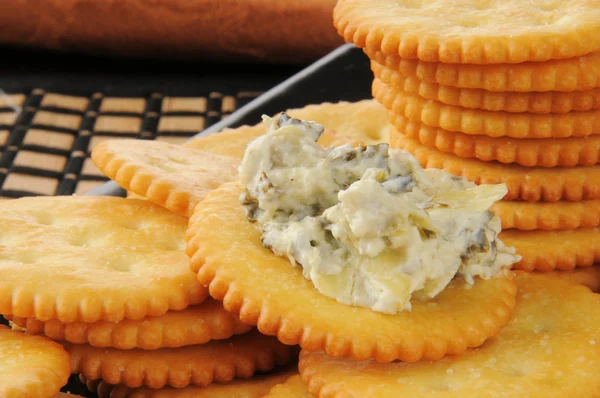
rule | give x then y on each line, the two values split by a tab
108	279
498	92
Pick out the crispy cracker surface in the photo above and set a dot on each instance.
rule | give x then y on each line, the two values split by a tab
85	259
292	387
197	324
218	361
475	98
482	122
471	31
524	183
267	291
528	152
255	387
172	176
577	74
31	366
527	216
549	349
549	250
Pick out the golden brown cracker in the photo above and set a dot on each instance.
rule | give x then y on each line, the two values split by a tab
549	349
476	98
527	216
255	387
31	366
589	276
482	122
524	183
194	325
469	31
362	122
267	291
528	152
549	250
570	75
172	176
85	259
292	387
218	361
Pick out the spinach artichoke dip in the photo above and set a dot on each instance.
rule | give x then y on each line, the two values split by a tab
369	226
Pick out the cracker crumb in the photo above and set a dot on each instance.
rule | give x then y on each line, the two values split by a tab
450	371
592	342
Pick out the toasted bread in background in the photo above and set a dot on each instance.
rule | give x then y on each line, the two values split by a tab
288	31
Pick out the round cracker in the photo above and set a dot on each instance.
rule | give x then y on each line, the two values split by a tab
292	387
255	387
548	350
528	152
475	98
471	31
172	176
482	122
218	361
31	366
85	259
194	325
549	216
267	291
576	75
550	250
532	184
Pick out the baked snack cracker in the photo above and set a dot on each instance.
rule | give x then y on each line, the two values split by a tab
469	31
589	276
524	183
172	176
85	259
194	325
217	361
578	74
482	122
549	250
292	387
31	366
255	387
528	152
549	349
476	98
527	216
267	291
357	122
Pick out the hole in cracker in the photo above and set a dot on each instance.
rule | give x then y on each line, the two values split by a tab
175	245
178	159
26	257
119	264
44	218
131	224
167	167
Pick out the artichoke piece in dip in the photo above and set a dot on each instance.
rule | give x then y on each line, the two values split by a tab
368	225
